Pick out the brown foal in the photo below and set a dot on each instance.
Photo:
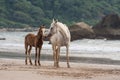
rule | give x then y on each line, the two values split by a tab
36	41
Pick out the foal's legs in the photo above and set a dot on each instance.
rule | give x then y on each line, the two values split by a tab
35	56
30	55
26	55
39	55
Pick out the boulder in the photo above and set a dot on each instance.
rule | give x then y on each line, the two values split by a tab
81	30
108	27
2	38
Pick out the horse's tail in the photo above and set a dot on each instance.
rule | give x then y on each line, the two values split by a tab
25	44
26	49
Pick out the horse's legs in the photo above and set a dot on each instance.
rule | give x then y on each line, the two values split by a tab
30	55
54	55
67	56
57	55
35	56
39	55
26	50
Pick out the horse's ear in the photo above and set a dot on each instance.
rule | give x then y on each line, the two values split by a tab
43	25
53	20
56	21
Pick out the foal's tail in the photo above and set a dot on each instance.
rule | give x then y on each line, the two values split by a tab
25	44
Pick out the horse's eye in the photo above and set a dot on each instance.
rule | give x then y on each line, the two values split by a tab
51	28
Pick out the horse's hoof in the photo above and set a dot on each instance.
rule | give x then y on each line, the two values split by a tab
68	66
31	64
39	64
54	65
35	64
57	66
25	63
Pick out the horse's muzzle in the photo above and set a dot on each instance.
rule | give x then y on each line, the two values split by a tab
49	35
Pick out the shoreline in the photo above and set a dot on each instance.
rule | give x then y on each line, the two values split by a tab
49	57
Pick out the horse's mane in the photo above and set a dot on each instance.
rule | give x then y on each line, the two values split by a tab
64	29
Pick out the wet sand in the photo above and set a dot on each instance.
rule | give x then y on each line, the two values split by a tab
14	69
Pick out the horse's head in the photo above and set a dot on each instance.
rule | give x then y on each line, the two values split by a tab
53	28
42	31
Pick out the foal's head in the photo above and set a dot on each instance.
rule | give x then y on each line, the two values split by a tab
41	31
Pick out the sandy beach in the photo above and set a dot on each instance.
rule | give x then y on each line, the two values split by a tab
15	69
89	60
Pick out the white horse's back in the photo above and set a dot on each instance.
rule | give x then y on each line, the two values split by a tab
65	29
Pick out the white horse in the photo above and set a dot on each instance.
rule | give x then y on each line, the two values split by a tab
60	36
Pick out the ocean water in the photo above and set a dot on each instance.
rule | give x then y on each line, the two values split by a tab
99	48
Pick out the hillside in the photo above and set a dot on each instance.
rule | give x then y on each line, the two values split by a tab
24	13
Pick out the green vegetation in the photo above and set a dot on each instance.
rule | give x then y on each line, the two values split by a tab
24	13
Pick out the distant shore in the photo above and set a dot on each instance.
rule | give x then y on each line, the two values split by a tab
17	30
29	29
